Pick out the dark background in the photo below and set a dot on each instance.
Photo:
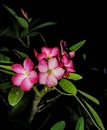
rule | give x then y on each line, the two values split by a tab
76	21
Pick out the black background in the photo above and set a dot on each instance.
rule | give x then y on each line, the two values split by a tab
76	21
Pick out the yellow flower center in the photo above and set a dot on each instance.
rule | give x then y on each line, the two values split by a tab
27	73
49	72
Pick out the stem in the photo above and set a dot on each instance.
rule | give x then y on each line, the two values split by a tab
67	94
37	99
23	42
28	40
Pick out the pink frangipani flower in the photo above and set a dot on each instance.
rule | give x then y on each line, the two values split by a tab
67	64
25	76
47	53
50	72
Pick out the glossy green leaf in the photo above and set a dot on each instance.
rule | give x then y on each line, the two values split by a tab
7	67
95	116
60	125
68	86
10	10
20	54
15	95
20	20
90	97
7	71
80	124
76	46
5	62
23	23
19	107
33	33
5	85
43	25
4	58
75	76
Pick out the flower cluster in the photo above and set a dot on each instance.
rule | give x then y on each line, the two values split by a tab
53	64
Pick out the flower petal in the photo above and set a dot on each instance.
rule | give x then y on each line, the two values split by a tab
17	79
65	59
42	66
51	81
39	56
28	64
42	78
18	68
72	54
52	63
55	51
70	69
33	77
46	50
26	85
59	72
70	64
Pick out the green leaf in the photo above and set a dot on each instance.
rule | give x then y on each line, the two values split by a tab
4	49
7	67
90	97
76	46
24	33
68	86
60	125
5	85
34	33
22	22
15	95
10	10
11	34
6	62
7	72
43	25
95	115
3	31
20	54
80	124
4	58
19	107
33	22
75	76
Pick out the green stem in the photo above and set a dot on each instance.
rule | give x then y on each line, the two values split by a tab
37	99
23	42
67	94
28	40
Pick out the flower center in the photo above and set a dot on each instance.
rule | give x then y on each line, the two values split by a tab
27	73
49	56
50	72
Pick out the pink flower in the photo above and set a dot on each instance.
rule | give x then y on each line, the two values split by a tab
50	72
67	64
65	51
47	53
25	76
66	61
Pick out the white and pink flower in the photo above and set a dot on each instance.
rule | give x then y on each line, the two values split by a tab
25	76
50	72
46	53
